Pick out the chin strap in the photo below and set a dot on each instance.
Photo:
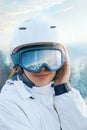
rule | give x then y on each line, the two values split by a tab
23	77
27	81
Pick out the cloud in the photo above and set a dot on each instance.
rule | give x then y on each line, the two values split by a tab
1	2
13	12
67	9
32	6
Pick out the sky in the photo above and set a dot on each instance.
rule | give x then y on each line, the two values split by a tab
71	16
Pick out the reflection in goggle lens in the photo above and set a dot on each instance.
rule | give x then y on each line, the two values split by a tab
34	60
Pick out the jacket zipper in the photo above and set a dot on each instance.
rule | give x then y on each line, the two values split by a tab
56	112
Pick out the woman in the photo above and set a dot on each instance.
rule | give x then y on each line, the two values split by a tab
40	97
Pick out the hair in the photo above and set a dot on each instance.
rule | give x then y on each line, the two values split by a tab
12	73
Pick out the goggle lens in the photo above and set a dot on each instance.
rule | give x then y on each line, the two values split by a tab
34	60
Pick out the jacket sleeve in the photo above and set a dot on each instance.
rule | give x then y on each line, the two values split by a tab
12	117
71	108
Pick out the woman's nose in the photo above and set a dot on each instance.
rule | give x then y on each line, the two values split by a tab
43	69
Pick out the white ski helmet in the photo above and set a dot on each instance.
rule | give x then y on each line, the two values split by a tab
34	31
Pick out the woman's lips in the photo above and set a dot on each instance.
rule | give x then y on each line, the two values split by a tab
41	76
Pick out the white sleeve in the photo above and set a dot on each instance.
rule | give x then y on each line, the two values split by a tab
11	117
72	110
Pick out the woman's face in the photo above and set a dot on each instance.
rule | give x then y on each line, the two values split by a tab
42	78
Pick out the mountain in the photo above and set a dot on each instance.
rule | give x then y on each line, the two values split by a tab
78	61
77	50
78	77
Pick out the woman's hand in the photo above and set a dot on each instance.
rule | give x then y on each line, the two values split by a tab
64	74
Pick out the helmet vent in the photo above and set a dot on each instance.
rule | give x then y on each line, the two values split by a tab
22	28
52	26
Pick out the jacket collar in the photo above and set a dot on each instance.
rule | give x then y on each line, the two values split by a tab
20	86
35	92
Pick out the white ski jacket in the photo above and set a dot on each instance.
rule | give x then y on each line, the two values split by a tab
37	108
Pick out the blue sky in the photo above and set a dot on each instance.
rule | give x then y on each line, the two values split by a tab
71	16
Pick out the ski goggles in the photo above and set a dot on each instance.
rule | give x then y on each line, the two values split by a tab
35	58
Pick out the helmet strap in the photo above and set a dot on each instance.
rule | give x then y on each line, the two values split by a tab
23	77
